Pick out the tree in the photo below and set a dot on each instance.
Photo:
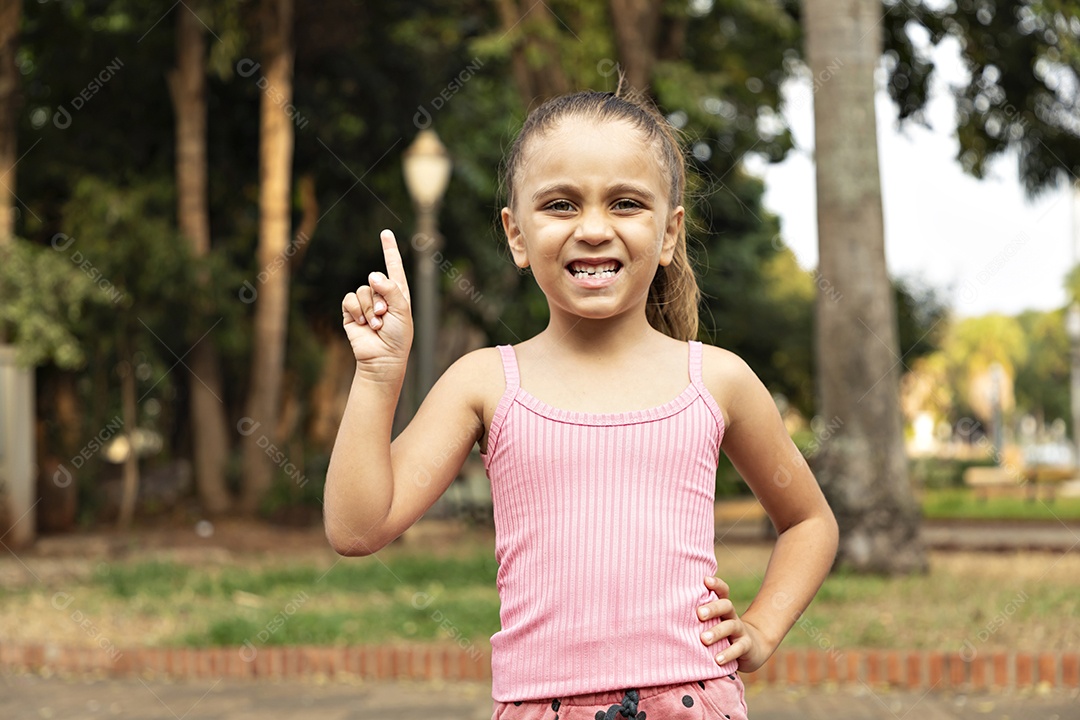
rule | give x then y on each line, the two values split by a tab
10	96
1044	373
187	84
1023	60
272	302
636	24
863	468
143	272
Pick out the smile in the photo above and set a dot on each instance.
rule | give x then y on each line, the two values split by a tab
594	273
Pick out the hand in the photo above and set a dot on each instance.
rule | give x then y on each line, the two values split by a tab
747	642
378	317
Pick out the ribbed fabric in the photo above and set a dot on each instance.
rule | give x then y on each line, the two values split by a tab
604	534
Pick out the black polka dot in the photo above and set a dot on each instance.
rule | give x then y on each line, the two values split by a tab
517	704
599	715
641	715
731	676
687	701
701	684
555	704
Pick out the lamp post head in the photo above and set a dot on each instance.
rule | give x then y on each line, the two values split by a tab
427	170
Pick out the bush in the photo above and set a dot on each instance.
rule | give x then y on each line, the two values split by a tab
938	473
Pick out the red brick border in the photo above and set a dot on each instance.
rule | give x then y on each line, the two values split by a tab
913	670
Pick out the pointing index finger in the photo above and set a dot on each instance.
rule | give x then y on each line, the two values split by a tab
395	269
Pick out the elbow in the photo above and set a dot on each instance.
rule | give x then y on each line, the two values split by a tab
348	545
352	536
831	532
349	542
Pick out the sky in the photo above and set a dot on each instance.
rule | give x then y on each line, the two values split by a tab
981	242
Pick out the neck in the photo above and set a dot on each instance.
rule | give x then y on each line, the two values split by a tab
610	336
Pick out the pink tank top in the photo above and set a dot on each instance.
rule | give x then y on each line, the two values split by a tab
604	534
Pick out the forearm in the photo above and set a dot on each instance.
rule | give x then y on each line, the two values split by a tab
799	563
360	478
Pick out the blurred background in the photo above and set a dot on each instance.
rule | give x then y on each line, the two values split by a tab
139	261
189	189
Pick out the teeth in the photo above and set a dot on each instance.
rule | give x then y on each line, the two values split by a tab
582	270
587	274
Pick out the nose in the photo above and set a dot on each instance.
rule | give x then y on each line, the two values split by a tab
594	227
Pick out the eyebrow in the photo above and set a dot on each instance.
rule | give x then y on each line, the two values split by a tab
620	189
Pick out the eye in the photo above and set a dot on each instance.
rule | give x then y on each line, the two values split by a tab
626	204
559	206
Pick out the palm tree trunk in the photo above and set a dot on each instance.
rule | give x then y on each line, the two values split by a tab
272	302
863	467
187	84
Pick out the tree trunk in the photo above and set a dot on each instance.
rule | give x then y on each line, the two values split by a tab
129	491
862	467
17	478
331	391
187	84
10	97
636	23
58	440
272	302
534	60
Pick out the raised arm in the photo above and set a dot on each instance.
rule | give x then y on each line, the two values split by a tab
374	490
762	451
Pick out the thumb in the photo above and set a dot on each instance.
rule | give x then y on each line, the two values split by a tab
396	301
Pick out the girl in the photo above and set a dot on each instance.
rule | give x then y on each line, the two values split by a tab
600	437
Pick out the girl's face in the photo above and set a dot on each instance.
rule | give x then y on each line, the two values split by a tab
591	216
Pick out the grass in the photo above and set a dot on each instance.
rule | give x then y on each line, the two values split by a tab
964	504
1019	602
406	597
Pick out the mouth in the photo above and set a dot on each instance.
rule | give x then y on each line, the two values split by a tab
594	269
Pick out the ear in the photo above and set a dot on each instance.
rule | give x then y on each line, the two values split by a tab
514	238
671	235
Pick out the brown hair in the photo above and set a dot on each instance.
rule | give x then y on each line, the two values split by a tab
672	306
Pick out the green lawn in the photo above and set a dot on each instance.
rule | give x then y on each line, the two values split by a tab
963	504
1018	602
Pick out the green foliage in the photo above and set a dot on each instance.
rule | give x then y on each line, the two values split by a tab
366	76
938	473
921	313
1024	64
1042	378
1072	284
43	298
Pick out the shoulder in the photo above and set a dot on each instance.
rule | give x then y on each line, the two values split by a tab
478	370
722	369
479	377
733	384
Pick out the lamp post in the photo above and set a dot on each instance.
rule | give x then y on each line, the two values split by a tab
427	173
1072	327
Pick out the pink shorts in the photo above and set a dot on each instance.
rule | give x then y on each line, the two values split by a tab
716	699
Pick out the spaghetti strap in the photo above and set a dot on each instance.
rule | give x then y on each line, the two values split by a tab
698	382
695	364
510	368
510	373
